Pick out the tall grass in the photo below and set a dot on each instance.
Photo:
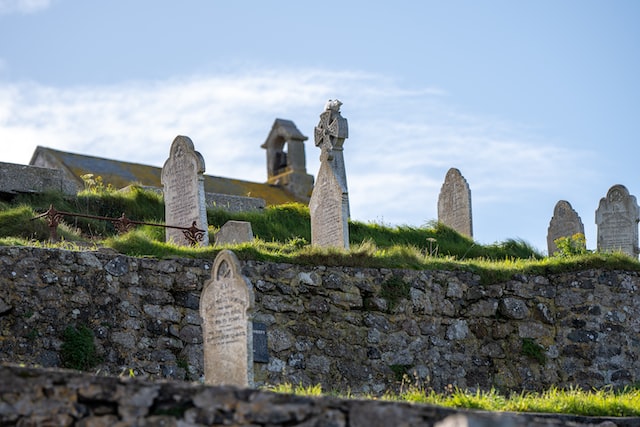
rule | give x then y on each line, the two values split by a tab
283	234
605	402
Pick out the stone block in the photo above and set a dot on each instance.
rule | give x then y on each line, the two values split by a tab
233	232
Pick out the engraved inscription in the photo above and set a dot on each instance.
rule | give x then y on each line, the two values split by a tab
183	184
228	340
617	220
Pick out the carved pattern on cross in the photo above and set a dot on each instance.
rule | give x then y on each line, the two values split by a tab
330	133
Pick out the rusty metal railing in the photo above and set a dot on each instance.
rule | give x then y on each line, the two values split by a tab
123	224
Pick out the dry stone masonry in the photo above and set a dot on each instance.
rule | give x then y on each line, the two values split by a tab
344	328
329	205
617	219
565	223
55	397
184	198
454	203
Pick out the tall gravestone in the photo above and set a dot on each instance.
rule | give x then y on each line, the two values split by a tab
617	219
183	187
454	203
226	300
565	223
329	205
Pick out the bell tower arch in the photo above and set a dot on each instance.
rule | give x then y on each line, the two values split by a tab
286	161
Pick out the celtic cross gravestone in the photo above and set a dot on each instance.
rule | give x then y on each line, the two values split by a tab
329	205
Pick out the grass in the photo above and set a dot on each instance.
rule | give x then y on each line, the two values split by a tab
283	234
575	401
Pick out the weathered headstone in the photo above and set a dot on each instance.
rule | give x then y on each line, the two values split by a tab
184	198
454	203
329	205
226	325
565	223
234	232
617	219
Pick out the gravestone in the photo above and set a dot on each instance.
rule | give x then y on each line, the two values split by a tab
564	223
227	332
617	219
234	232
454	203
329	204
183	186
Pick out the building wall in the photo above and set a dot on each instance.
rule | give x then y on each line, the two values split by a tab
345	328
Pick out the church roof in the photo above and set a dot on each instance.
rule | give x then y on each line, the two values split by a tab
120	174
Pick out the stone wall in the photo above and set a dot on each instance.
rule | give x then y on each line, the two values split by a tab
55	397
345	328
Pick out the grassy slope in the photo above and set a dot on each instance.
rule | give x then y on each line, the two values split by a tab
283	234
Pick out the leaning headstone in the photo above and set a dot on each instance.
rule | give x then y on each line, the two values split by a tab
564	223
454	203
617	219
234	232
329	205
183	187
227	332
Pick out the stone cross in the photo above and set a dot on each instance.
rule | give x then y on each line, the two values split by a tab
329	204
454	203
617	219
225	305
564	223
183	187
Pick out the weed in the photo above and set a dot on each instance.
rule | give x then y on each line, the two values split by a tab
393	290
534	350
400	371
571	245
78	350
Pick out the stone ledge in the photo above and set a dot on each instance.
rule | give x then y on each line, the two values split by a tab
36	396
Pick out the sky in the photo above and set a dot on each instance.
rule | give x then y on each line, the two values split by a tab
534	101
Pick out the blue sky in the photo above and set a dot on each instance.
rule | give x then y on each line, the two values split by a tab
534	101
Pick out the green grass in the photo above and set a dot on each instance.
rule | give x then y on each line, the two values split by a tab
606	402
575	401
283	234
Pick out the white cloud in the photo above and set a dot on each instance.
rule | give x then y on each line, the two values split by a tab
401	143
23	6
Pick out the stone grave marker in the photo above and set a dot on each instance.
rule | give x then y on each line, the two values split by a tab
226	325
454	203
234	232
565	223
260	344
329	204
617	219
183	187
